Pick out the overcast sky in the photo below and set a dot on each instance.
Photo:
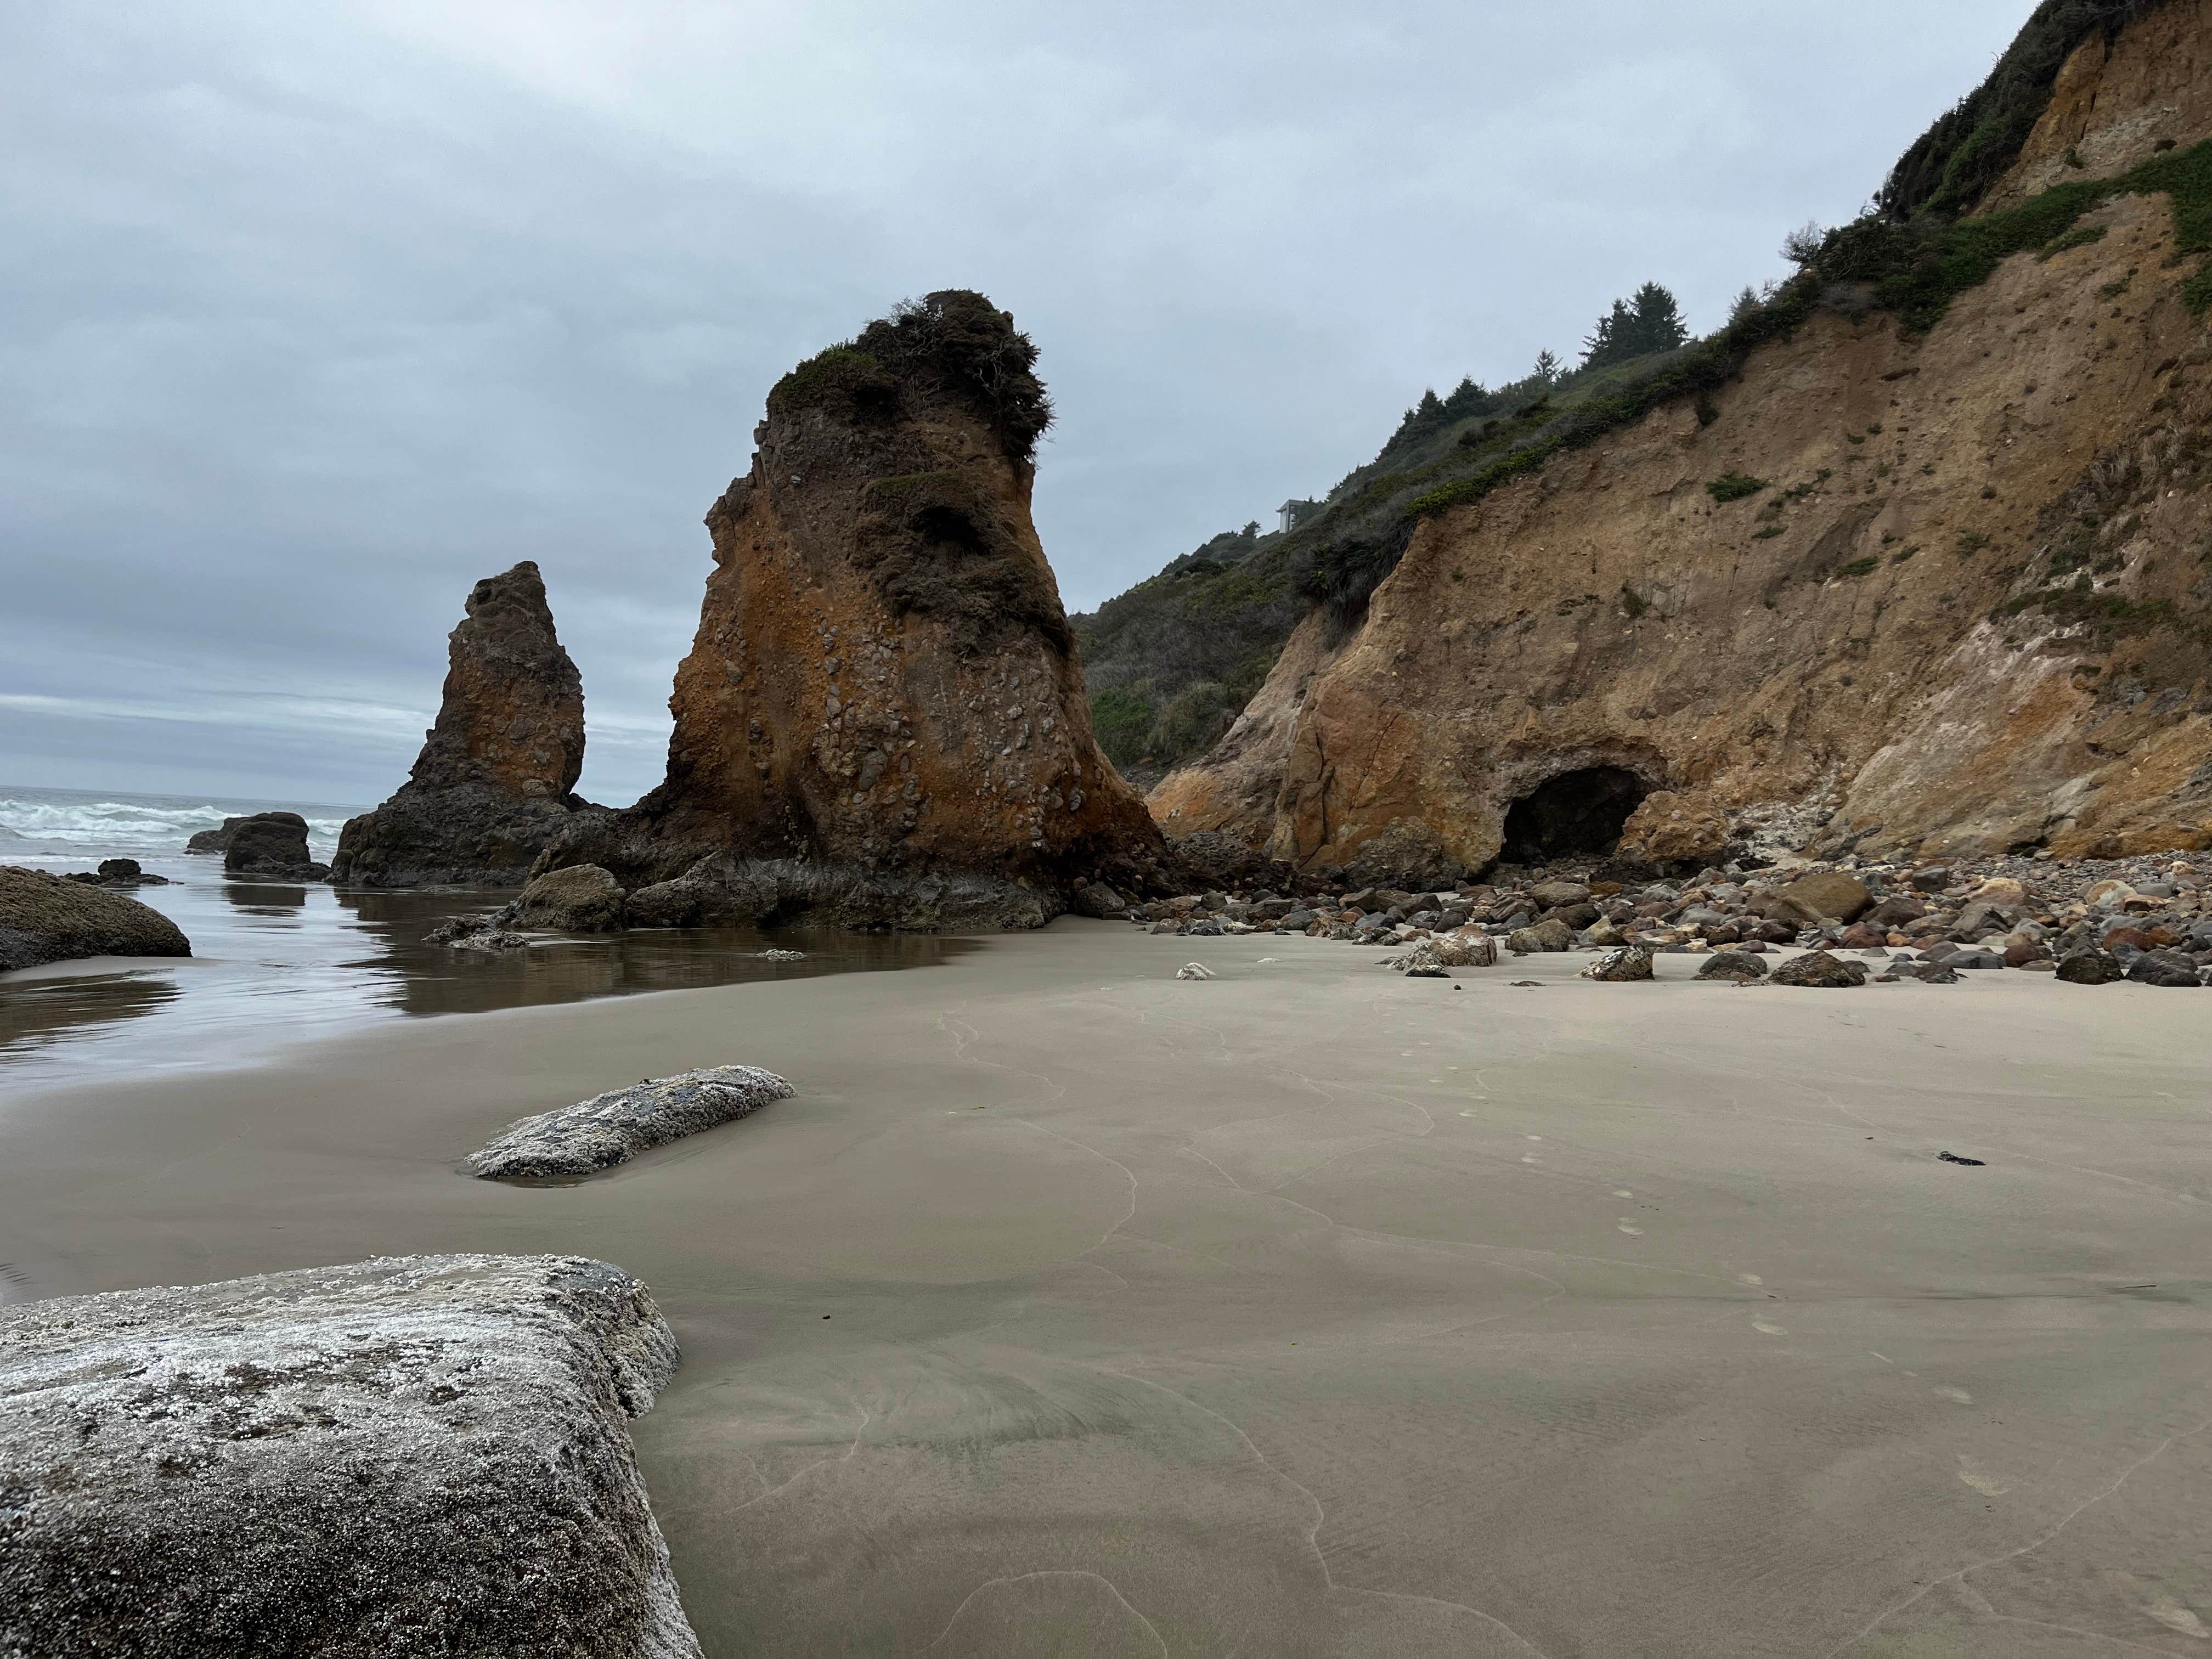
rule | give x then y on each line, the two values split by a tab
312	314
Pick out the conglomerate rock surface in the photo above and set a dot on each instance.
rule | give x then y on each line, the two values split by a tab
1949	584
496	779
417	1457
882	720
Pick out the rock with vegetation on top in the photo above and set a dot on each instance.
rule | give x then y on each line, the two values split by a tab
497	773
1821	971
411	1455
614	1127
884	689
271	844
45	918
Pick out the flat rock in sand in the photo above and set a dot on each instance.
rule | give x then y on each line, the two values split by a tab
414	1455
614	1127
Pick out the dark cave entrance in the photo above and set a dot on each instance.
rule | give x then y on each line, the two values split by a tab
1574	815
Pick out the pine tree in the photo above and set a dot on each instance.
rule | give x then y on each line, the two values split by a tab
1548	367
1659	324
1650	321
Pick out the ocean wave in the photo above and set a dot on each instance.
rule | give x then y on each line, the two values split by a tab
143	826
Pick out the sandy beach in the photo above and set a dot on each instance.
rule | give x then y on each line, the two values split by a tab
1069	1308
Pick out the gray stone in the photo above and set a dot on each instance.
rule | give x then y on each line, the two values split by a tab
1552	935
1738	965
214	841
2176	969
1820	971
45	918
2091	968
1982	959
412	1456
614	1127
1629	961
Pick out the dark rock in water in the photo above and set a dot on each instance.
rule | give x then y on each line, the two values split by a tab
214	841
474	933
1821	971
614	1127
117	872
1738	965
45	918
581	898
412	1455
2091	968
1628	962
494	782
1969	1162
272	844
2177	968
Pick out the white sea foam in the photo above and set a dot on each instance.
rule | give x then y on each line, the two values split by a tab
65	819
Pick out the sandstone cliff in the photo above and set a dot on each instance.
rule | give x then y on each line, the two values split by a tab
1937	557
493	781
881	718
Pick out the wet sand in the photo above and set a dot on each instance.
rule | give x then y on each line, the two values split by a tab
1071	1310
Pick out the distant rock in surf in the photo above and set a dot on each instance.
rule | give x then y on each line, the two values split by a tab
215	841
45	918
496	778
412	1455
271	844
614	1127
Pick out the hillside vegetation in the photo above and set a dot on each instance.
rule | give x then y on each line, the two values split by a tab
1170	663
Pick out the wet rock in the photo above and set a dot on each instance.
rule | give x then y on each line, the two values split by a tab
614	1127
1820	971
1846	898
271	844
411	1455
474	933
117	872
1096	899
2091	968
2176	969
1736	965
1551	935
495	780
579	899
1629	961
46	918
214	841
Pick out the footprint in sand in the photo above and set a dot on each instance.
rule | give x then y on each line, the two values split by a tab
1990	1486
1959	1394
1771	1330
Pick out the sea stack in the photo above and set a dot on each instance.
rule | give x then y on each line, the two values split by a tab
494	780
882	719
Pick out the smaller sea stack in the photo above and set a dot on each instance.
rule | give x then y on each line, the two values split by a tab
496	778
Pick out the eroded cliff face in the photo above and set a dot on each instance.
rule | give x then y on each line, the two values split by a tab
882	715
496	777
1952	587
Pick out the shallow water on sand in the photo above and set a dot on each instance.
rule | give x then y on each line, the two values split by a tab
275	962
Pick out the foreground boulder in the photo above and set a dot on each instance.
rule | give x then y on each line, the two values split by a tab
1819	970
883	719
45	918
579	899
497	773
421	1455
271	844
614	1127
2168	967
2091	967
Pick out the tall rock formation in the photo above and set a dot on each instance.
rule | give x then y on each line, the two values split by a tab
882	719
1941	565
493	781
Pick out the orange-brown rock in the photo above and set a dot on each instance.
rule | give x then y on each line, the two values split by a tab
1672	830
881	718
1966	606
493	781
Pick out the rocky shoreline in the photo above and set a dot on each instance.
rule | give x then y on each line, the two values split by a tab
2085	921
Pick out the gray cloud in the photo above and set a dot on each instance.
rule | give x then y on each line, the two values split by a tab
315	314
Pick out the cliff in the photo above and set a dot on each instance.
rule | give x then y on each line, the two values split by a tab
881	718
1922	540
494	779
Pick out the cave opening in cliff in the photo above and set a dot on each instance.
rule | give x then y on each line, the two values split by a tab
1574	815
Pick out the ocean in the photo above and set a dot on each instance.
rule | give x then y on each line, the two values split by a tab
275	963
